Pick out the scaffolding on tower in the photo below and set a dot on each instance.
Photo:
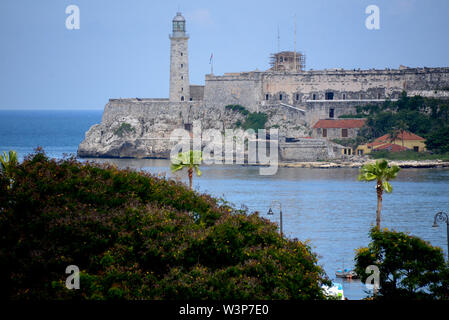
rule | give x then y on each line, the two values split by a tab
285	62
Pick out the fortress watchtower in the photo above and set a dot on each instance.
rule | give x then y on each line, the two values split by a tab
179	61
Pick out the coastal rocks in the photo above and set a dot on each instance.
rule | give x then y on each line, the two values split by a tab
141	128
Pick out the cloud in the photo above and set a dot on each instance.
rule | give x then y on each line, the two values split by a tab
200	16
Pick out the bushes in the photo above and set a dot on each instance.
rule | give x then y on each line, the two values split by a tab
253	120
410	268
426	117
124	128
237	108
136	236
408	155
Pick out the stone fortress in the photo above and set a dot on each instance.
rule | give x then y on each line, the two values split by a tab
293	98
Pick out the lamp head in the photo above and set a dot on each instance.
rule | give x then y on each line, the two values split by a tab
270	212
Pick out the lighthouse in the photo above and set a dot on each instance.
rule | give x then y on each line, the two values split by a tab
179	61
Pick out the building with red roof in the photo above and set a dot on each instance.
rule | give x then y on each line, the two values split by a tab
404	141
337	128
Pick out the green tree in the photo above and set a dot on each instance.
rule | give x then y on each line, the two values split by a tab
398	130
7	162
438	140
409	267
190	160
382	173
138	236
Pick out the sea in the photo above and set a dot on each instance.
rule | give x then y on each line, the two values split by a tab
327	207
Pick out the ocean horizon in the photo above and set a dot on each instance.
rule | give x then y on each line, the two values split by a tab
57	131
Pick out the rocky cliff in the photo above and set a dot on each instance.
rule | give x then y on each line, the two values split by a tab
141	128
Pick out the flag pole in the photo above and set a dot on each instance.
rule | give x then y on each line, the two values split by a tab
212	63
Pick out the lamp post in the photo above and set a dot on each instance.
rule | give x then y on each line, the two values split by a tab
270	212
442	217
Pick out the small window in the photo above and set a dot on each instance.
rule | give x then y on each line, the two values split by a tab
281	59
344	151
344	133
182	77
344	96
280	97
378	96
297	97
182	98
416	148
331	113
314	96
191	99
181	54
329	96
188	127
324	133
182	89
182	65
267	97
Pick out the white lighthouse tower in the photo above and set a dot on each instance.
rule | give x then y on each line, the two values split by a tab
179	61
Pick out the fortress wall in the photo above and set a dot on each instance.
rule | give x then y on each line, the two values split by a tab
355	84
309	150
197	92
317	110
244	89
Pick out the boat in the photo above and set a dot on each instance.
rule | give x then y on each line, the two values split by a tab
346	274
335	291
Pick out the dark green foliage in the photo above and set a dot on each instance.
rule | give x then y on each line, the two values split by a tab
137	236
426	117
438	140
124	128
408	155
237	108
253	120
410	268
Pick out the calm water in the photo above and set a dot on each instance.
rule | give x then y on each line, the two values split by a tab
57	131
329	207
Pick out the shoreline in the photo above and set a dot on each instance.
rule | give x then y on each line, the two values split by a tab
414	164
423	164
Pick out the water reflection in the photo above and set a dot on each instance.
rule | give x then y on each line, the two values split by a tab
329	207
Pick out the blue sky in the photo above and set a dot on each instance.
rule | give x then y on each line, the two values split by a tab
122	47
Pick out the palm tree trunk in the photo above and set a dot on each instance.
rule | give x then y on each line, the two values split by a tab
379	203
190	178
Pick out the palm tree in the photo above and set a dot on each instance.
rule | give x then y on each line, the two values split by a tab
382	173
189	160
399	129
402	127
7	161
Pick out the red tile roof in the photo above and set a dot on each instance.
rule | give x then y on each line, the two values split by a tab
375	143
407	136
391	147
340	123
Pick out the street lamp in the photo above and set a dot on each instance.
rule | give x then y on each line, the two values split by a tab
442	217
270	212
